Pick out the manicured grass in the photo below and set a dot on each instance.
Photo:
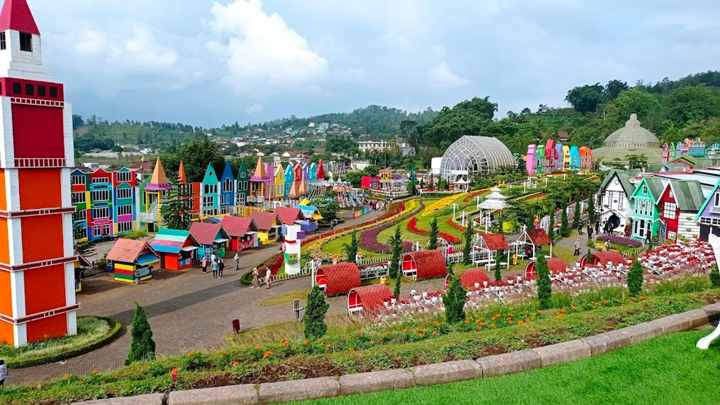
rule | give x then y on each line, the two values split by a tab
286	298
92	333
666	370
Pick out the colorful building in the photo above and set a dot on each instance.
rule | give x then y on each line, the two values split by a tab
132	261
100	220
646	222
678	206
154	192
210	195
37	272
124	187
228	186
80	198
614	202
175	247
709	214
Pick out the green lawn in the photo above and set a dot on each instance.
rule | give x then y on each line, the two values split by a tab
666	370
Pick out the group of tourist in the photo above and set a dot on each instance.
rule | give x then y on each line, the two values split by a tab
217	265
267	279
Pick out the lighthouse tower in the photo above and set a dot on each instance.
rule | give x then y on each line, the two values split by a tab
37	277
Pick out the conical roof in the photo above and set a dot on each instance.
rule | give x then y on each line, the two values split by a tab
16	15
259	169
182	178
159	180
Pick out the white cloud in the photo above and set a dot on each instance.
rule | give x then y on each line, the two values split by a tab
255	109
261	49
442	76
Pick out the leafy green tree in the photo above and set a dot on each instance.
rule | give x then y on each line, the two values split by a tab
467	249
315	311
647	106
564	227
613	89
586	99
693	103
142	346
454	300
469	117
715	277
433	243
544	284
351	250
635	279
175	211
396	244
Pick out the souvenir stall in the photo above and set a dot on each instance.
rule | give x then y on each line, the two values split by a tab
132	261
175	247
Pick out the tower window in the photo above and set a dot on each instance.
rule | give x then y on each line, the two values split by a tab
3	41
41	91
53	92
26	42
29	90
17	88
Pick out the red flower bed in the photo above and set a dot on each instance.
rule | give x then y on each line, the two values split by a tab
451	239
412	227
455	225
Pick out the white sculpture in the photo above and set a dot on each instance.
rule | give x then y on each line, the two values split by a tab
704	343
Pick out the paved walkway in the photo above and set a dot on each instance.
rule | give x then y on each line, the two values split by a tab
188	311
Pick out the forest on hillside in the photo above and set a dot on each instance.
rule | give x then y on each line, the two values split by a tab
673	109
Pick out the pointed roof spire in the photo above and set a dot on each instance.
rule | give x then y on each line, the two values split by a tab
159	180
182	178
259	169
16	15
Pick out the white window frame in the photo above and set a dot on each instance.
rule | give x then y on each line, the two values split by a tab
670	210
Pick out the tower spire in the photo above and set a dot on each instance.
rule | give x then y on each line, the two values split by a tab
16	15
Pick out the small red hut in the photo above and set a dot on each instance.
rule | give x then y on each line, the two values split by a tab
471	277
555	265
424	265
368	299
338	279
239	230
603	258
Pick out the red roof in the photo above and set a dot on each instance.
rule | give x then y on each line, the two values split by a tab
539	237
339	278
371	297
236	227
264	221
494	241
555	265
16	15
428	263
128	250
205	233
472	276
287	215
609	256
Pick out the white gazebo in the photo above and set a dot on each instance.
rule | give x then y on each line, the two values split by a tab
494	202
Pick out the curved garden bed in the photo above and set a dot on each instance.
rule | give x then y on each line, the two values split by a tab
363	346
412	227
93	333
369	238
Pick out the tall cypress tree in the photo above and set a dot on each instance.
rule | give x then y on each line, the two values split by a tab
551	226
142	347
433	243
592	215
576	216
564	227
454	300
398	284
467	249
315	311
498	270
715	277
175	210
635	279
351	250
396	244
544	284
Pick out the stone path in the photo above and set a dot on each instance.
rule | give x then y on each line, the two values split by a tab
188	311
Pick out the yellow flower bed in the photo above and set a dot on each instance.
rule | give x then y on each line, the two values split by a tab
441	203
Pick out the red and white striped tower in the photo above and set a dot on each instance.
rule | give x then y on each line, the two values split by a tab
37	277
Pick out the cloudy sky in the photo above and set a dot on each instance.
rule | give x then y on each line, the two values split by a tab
211	62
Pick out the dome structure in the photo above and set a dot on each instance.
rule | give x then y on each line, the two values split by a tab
472	155
632	136
632	139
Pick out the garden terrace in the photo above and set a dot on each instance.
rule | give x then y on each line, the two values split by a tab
260	356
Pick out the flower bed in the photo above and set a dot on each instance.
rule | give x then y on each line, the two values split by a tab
412	227
455	225
363	347
368	240
619	240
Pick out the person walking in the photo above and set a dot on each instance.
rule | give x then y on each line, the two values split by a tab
215	267
221	267
204	263
237	262
255	277
3	372
576	245
590	231
268	277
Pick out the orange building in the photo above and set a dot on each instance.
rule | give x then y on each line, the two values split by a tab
37	277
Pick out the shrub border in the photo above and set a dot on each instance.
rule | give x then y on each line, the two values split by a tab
440	373
115	329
